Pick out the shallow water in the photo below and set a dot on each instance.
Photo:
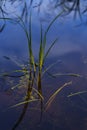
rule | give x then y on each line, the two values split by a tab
65	112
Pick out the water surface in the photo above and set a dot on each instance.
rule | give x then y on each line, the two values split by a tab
70	52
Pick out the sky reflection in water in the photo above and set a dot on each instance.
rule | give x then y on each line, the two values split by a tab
71	50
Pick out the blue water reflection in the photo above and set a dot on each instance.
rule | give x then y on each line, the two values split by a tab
67	30
71	53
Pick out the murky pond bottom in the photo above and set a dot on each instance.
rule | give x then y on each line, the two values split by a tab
65	112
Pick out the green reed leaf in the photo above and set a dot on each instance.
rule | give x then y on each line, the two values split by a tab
24	102
49	67
41	51
49	49
77	93
41	96
67	74
51	99
49	26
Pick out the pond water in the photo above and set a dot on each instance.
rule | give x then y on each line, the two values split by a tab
66	63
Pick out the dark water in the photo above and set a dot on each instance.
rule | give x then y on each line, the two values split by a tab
70	52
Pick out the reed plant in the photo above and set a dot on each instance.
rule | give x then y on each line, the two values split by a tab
35	71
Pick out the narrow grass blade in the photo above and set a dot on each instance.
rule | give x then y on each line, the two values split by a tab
30	45
21	103
38	93
10	19
15	71
49	67
16	86
49	49
41	51
68	74
41	55
49	26
77	93
51	99
29	39
2	28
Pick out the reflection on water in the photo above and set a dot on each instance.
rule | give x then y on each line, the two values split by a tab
64	112
22	107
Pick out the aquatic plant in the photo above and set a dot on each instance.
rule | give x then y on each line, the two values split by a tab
34	69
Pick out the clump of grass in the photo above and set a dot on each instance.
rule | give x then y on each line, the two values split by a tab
35	71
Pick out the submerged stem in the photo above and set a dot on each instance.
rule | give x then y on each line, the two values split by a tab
39	83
